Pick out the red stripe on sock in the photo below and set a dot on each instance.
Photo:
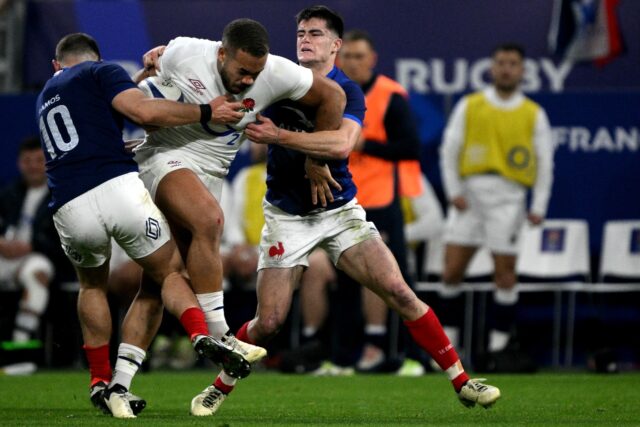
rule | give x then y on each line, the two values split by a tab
428	333
99	363
193	322
459	381
226	389
243	334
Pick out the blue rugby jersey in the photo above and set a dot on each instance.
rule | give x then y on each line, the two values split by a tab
80	131
287	187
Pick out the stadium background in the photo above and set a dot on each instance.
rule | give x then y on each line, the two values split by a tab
438	49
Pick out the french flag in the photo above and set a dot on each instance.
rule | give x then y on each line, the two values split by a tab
586	30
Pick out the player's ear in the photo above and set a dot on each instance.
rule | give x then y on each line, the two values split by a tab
56	65
337	44
222	53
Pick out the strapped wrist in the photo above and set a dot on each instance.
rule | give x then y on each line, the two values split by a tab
205	113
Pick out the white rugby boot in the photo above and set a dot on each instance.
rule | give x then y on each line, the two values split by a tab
207	402
474	391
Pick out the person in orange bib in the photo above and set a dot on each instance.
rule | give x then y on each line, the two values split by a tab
385	166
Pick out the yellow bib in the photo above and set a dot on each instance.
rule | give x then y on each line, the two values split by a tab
255	189
499	141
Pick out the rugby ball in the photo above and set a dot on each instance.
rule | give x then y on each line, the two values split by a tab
156	87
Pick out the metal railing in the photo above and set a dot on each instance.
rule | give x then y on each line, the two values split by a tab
557	288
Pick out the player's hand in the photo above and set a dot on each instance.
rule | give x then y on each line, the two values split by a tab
150	60
225	110
459	203
321	181
535	219
262	131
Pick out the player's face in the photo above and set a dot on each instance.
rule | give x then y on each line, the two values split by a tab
31	164
507	70
357	60
315	43
239	71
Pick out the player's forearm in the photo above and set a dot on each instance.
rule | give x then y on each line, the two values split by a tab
321	144
162	112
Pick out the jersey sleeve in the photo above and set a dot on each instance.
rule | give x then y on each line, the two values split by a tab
355	107
112	79
287	79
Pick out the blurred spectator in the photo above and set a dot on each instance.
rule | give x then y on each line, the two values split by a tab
423	221
389	143
29	245
496	146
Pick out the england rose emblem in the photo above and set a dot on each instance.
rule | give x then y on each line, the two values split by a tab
247	105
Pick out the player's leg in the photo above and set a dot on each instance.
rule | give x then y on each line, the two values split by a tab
285	245
87	244
189	206
377	349
274	290
371	263
34	274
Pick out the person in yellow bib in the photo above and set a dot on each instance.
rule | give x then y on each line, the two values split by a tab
497	146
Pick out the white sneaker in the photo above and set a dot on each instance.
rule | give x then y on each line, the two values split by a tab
329	369
118	403
372	357
474	391
251	353
410	368
207	402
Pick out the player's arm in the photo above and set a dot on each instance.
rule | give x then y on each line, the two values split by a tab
543	147
450	154
161	112
330	144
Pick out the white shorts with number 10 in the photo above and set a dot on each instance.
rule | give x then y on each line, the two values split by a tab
287	240
120	208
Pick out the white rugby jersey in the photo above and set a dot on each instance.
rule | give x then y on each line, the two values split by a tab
192	66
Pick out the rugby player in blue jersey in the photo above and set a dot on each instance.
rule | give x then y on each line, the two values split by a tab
295	225
96	195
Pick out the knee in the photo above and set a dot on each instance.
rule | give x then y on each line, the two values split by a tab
268	325
505	279
452	277
399	294
210	225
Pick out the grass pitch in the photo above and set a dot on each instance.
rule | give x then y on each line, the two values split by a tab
264	399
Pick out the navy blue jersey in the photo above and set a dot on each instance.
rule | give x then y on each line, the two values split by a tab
287	187
80	132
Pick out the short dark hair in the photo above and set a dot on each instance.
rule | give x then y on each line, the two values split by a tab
357	35
76	44
509	47
30	143
333	19
248	35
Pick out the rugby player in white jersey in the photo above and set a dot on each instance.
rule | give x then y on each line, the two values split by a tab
184	167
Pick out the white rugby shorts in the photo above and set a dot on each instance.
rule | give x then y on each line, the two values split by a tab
120	208
494	217
287	240
155	164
